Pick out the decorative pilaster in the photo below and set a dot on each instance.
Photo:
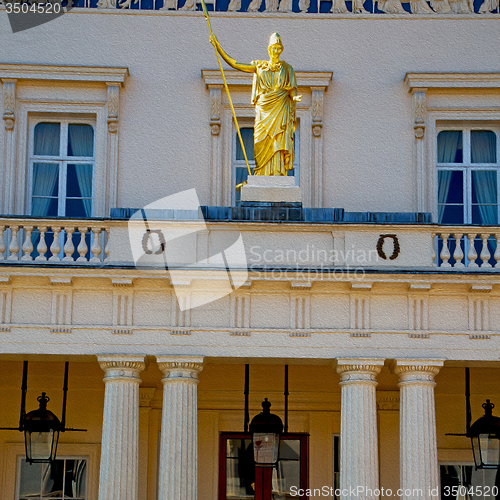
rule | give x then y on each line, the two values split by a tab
179	427
9	116
146	394
419	122
417	427
119	473
113	121
358	427
317	130
215	145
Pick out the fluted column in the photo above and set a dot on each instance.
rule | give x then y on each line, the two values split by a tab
179	427
119	471
419	477
359	477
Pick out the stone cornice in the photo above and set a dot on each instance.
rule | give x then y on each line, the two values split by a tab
101	74
415	81
213	77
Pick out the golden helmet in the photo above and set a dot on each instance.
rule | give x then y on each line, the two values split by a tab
275	39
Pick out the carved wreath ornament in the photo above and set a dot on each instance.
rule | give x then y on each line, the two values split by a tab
380	246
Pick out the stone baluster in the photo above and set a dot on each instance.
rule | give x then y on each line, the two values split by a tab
106	246
28	244
496	256
69	248
2	243
434	255
96	248
472	254
55	248
179	428
458	254
82	246
14	244
119	472
417	428
445	251
42	245
358	426
485	252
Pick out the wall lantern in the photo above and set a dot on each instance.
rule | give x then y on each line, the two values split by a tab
484	433
266	429
485	437
41	427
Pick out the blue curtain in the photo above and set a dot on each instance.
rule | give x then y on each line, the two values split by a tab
45	180
47	139
483	146
484	186
81	143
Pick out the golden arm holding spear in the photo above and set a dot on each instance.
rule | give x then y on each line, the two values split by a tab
212	36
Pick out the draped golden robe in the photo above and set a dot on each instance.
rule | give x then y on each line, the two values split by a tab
275	121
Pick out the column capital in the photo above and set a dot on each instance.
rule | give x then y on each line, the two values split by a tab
358	369
180	367
122	367
416	370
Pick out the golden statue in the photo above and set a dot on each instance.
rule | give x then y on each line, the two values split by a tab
274	95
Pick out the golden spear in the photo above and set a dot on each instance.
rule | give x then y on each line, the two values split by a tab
205	12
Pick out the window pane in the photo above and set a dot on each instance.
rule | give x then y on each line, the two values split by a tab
45	179
451	186
449	147
30	480
451	214
80	140
52	478
47	139
79	181
247	136
483	146
484	197
76	478
45	189
240	470
78	207
484	186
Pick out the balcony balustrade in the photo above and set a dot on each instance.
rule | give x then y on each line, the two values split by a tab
103	242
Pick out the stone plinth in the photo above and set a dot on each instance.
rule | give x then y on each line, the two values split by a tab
268	189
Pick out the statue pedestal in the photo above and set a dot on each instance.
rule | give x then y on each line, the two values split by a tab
271	189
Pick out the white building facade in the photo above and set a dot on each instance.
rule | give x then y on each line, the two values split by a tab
377	293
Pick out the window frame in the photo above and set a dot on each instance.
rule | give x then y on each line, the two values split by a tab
467	167
30	89
14	451
61	160
304	452
71	457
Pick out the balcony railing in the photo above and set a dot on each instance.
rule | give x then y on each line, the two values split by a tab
47	240
102	242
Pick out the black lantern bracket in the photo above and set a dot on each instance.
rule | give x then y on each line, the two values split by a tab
41	420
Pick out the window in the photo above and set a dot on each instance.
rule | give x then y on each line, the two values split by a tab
467	163
463	482
63	479
62	160
240	170
467	182
237	470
